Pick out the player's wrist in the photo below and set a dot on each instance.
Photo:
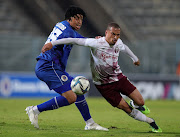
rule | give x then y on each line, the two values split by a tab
53	43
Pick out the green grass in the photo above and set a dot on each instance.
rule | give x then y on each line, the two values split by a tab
67	121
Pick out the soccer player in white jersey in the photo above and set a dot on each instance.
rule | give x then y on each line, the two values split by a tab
106	73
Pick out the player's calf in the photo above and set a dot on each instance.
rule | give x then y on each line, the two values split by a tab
144	109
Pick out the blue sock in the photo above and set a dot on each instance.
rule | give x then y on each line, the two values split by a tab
82	105
53	103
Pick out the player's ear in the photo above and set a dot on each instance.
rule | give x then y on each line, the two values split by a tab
106	32
70	19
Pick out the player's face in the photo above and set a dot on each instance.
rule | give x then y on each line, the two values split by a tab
76	21
112	35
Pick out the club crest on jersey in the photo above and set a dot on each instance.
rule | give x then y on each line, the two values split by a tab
64	78
116	50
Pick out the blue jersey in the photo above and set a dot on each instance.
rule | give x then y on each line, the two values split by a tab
60	53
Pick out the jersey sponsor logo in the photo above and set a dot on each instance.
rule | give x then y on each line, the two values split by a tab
64	78
105	56
61	26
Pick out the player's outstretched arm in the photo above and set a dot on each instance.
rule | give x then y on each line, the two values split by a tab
77	41
132	56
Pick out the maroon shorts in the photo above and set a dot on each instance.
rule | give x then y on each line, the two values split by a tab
111	91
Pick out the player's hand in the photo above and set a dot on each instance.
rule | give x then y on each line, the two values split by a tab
137	63
97	37
46	47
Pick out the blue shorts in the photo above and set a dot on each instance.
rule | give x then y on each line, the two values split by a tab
52	74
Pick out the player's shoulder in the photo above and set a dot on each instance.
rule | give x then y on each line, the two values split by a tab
120	44
100	40
64	26
120	41
61	25
66	30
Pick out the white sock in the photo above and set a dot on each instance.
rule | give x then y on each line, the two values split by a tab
36	111
89	122
136	114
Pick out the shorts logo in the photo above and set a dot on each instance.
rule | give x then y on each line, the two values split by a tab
64	78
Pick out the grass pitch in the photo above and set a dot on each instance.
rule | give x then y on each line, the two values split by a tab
67	121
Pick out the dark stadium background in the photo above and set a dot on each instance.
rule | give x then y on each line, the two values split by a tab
151	28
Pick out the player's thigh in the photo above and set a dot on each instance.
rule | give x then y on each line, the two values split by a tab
127	88
124	86
108	92
53	76
56	78
137	97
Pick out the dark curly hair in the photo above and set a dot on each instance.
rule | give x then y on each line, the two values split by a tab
72	11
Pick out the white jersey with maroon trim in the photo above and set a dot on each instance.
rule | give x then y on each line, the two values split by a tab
104	57
104	60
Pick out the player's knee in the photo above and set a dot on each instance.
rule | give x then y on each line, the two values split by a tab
72	99
140	102
124	106
70	96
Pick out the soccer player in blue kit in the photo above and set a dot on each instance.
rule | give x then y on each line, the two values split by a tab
51	68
